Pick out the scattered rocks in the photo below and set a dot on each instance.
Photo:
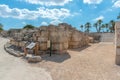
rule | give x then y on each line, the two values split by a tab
8	48
31	59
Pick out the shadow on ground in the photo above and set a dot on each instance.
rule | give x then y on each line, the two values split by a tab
56	57
80	49
61	57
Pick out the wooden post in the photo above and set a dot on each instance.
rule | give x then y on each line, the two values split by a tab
25	51
50	48
36	48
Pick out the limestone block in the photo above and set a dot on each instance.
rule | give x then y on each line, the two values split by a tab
118	51
74	43
65	45
43	46
42	39
118	37
117	25
91	40
22	43
57	46
34	59
117	60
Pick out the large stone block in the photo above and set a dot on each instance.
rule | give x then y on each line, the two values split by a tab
117	42
34	59
117	59
118	51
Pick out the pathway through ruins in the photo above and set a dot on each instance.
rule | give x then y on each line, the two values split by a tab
97	62
13	68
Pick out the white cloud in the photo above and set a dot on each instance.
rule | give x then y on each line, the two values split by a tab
48	2
44	23
41	12
99	18
54	13
24	23
55	22
113	1
116	4
92	1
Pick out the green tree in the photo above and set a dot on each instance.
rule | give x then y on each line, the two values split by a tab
99	22
81	27
96	26
112	26
28	26
87	27
1	27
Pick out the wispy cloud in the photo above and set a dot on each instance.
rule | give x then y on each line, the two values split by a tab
92	1
98	18
48	2
55	22
116	4
113	1
42	12
44	23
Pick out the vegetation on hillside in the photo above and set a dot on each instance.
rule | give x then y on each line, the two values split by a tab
28	26
1	27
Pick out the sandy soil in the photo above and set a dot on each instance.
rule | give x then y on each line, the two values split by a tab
12	68
95	62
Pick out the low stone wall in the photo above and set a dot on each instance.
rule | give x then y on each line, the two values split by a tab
103	37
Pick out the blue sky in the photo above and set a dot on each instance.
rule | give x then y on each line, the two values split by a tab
17	13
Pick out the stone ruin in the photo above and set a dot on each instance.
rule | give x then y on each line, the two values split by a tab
117	42
62	37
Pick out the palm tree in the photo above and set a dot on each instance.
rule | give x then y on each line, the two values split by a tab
99	22
118	17
112	24
87	27
107	27
103	27
81	27
96	26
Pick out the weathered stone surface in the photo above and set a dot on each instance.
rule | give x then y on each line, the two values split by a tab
117	42
117	59
62	37
91	40
118	51
34	59
11	51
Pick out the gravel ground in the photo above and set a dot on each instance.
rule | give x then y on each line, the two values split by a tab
13	68
96	62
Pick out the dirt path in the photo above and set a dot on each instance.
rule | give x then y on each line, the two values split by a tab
96	62
12	68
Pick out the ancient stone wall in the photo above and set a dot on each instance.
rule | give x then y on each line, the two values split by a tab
117	42
62	37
